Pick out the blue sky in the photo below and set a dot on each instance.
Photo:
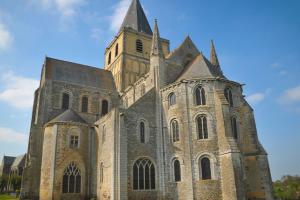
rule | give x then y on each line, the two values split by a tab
257	43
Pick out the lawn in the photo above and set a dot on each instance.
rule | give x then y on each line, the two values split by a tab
6	197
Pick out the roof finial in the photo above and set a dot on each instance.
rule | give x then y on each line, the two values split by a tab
213	55
156	43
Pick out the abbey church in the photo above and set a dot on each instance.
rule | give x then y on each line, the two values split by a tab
152	124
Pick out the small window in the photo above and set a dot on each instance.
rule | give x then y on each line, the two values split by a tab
172	99
142	89
104	107
65	101
234	128
71	179
200	96
202	127
103	134
205	168
84	104
101	173
117	50
142	132
143	175
177	171
74	141
228	96
175	131
109	58
139	46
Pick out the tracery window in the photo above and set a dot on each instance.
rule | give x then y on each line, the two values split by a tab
142	89
116	50
74	141
234	128
205	168
142	132
200	98
139	46
84	104
202	127
109	58
65	101
104	107
71	179
143	175
172	99
175	130
177	171
101	173
228	95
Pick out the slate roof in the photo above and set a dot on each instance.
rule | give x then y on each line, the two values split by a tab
68	116
136	18
8	160
78	74
200	67
18	161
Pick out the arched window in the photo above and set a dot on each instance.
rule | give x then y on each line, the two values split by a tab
143	175
139	46
172	99
205	168
142	132
104	109
228	95
142	89
200	96
116	50
65	101
101	173
175	130
202	127
234	128
109	58
177	171
84	104
103	133
71	179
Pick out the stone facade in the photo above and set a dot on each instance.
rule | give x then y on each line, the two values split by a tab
153	124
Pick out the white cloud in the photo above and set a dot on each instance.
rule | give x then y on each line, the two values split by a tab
96	34
256	98
6	38
291	95
18	91
8	135
120	10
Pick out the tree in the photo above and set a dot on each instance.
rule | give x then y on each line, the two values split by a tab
288	188
3	182
15	182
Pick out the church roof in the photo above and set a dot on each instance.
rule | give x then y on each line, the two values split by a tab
68	116
8	160
78	74
136	18
19	161
200	67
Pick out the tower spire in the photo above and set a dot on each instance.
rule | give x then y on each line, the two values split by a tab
213	55
156	49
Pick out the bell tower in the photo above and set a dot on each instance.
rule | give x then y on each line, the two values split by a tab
128	55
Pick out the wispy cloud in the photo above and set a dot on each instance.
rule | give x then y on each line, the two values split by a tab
257	97
6	37
18	91
280	69
96	34
291	96
119	12
11	136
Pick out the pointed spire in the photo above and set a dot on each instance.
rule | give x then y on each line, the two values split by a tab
156	43
136	18
213	55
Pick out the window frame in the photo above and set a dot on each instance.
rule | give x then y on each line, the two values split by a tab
63	95
174	170
175	132
234	129
102	107
151	187
139	46
75	171
86	110
171	99
199	90
229	96
117	50
202	136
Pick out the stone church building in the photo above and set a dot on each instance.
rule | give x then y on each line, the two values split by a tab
153	124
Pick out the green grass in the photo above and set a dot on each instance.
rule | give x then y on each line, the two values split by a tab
6	197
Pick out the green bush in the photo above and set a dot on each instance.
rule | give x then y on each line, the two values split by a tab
288	188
